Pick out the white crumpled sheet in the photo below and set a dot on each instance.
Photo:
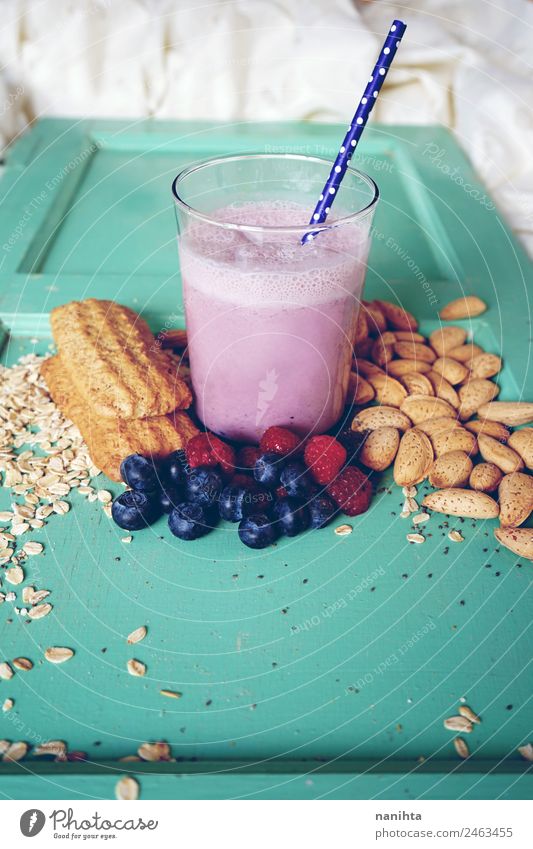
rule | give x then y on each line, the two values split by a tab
463	63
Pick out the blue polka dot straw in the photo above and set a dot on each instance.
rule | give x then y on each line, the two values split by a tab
351	140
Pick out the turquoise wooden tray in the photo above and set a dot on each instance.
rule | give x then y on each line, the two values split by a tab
325	666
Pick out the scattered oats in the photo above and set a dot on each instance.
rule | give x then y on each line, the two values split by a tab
4	746
461	748
85	490
35	524
40	611
5	671
171	694
32	548
23	611
416	538
455	536
409	491
16	752
467	712
23	663
2	598
154	751
137	635
92	497
14	575
59	489
127	789
343	530
136	668
60	507
11	596
51	747
107	510
5	555
7	705
18	530
5	516
38	595
127	539
412	505
44	511
458	723
420	518
405	514
104	496
24	510
526	752
31	498
58	654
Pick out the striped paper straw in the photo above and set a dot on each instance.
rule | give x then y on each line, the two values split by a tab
355	130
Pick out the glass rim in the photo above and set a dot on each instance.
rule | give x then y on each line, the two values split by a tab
300	228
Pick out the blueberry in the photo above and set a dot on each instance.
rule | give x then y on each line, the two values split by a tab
267	469
140	473
321	510
169	497
257	531
236	502
134	510
189	521
203	486
296	480
292	515
175	468
353	441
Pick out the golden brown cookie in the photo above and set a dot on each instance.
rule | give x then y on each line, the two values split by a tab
111	439
113	360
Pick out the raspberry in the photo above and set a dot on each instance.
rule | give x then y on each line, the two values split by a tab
279	440
325	458
246	457
205	449
352	491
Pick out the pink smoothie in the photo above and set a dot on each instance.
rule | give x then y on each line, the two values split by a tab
269	321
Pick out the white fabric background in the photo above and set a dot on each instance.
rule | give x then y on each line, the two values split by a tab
463	63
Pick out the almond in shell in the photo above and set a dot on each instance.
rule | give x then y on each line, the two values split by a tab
389	391
375	317
521	441
374	417
414	351
360	391
462	502
450	370
408	336
422	407
485	365
515	494
400	367
465	353
501	455
450	470
414	458
442	388
361	327
446	338
365	367
380	448
517	540
466	307
382	351
494	429
485	477
474	394
511	413
439	424
417	383
455	439
397	317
